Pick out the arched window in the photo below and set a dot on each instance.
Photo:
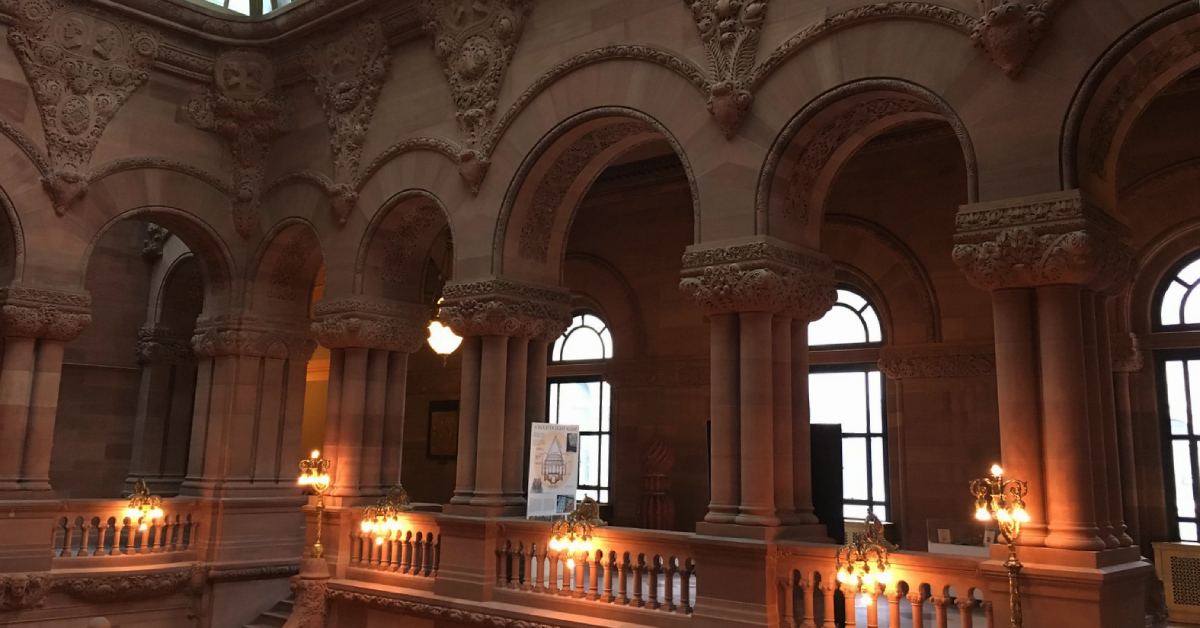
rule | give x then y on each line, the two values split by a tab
1178	307
253	8
578	395
848	392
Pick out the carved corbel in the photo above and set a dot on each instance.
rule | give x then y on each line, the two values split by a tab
761	276
730	32
83	66
474	40
244	109
1010	30
347	74
499	307
370	323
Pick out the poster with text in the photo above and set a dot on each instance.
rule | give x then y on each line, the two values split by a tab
553	469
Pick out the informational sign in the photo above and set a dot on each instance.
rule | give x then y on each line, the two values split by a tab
553	469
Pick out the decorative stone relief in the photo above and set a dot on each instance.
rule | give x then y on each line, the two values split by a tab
370	323
266	572
474	40
730	31
223	336
20	591
1010	31
426	609
49	314
245	110
153	241
1051	239
82	66
552	189
156	345
761	276
347	74
121	588
658	508
499	307
311	604
936	361
400	240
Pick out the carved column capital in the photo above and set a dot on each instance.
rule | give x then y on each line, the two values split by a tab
157	345
499	307
370	323
240	336
760	276
1050	239
41	313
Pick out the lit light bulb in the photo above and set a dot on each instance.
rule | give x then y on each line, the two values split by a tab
1021	515
156	513
570	563
981	514
997	470
442	339
316	453
379	540
142	527
366	526
133	513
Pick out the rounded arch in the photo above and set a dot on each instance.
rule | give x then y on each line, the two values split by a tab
805	158
543	198
174	301
604	288
283	270
1156	262
392	255
852	279
1117	89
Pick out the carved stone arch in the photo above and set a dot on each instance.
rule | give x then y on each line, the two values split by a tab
1155	262
805	158
602	284
282	272
889	264
544	195
1117	90
210	249
174	289
12	241
395	247
849	274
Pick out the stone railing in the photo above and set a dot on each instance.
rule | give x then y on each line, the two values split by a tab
926	591
643	569
95	530
413	551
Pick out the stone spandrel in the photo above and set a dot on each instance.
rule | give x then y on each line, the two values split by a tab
498	307
760	276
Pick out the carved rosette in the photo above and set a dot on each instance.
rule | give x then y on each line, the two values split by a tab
246	111
347	74
1038	241
233	336
371	324
1010	31
499	307
20	591
156	345
82	66
730	32
936	361
474	40
760	277
49	314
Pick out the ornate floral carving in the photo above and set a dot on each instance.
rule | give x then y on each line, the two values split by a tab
245	110
1051	239
370	323
552	189
474	40
38	313
347	74
156	345
730	32
232	336
82	66
154	240
427	609
19	591
263	572
936	361
400	240
311	605
761	276
1010	31
125	587
499	307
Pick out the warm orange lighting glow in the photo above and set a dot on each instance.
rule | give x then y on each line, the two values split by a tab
997	470
316	453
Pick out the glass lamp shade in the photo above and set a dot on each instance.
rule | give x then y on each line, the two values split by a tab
442	339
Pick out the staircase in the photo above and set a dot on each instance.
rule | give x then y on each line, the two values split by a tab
273	617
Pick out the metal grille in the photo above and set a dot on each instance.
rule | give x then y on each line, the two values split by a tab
1185	580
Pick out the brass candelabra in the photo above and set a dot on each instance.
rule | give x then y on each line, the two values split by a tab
314	474
385	520
573	533
863	562
1002	500
143	508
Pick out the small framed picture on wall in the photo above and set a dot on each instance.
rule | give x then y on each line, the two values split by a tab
443	429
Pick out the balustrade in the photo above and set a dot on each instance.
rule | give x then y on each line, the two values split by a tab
102	530
414	549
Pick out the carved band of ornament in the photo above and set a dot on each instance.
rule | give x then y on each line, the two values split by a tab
505	308
162	346
935	362
426	609
48	314
232	337
264	572
552	189
1131	87
1067	207
761	277
370	324
450	150
122	588
83	66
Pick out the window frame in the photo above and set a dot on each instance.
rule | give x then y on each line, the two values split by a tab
870	303
866	368
1161	357
1160	292
605	474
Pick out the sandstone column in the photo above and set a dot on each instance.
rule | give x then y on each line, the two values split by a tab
369	340
757	295
505	324
37	323
163	421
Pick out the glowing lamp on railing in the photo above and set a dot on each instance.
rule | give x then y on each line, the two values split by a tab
573	534
143	507
863	563
384	521
1002	500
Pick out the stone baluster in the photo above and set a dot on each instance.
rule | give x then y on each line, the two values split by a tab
162	424
505	326
849	597
966	608
37	324
808	599
1046	260
940	606
370	341
759	298
894	598
918	609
